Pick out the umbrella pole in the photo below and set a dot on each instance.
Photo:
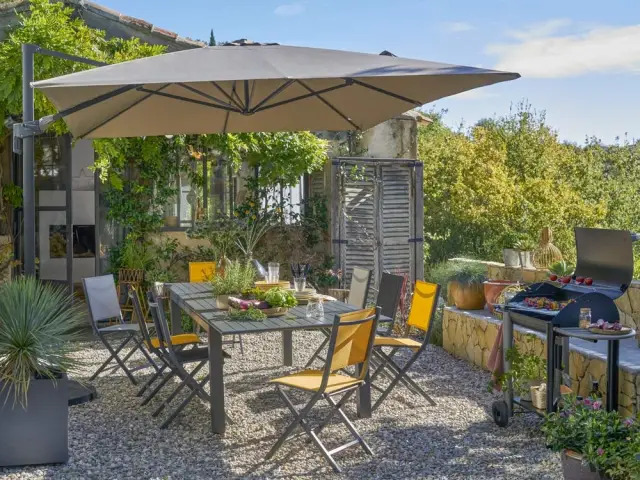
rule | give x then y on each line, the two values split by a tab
28	158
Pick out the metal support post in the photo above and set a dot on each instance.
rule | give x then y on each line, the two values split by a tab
28	160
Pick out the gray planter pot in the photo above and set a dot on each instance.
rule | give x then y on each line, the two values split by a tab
39	433
573	469
510	257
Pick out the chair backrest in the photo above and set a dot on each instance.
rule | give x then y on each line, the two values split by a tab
137	309
423	305
351	341
201	271
359	289
161	324
102	299
389	294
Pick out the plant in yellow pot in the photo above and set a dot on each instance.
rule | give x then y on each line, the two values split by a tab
465	284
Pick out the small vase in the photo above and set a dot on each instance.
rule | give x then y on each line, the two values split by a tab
222	302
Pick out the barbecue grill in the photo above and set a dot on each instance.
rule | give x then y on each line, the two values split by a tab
606	257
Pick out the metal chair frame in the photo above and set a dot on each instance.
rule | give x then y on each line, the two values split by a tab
300	416
387	366
176	361
107	308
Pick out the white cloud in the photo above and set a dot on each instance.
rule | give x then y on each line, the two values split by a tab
542	51
289	9
457	27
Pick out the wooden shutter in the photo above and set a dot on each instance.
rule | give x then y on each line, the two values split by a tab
397	220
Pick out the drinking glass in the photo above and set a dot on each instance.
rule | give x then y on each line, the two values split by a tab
274	272
299	284
315	309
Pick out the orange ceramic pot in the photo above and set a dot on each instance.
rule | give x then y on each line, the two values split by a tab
493	288
467	296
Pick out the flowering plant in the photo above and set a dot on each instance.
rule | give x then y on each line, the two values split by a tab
606	441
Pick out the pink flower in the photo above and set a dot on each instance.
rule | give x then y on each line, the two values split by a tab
588	402
597	405
600	451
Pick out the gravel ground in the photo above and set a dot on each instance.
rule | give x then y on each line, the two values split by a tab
114	438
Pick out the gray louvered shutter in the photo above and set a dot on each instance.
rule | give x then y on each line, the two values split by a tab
397	220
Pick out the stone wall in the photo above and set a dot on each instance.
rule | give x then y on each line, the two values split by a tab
471	335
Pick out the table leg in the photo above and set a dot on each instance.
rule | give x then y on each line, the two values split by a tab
363	395
176	317
613	352
551	367
507	343
216	381
287	348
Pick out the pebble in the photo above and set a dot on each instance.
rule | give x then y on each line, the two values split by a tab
114	438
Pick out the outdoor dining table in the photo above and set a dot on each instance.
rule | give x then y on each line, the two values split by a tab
196	300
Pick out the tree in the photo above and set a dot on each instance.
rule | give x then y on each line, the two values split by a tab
212	39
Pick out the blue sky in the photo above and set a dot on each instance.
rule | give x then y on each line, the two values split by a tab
579	59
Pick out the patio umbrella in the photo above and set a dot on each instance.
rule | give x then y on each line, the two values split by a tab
263	88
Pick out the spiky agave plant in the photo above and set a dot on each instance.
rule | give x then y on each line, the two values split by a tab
37	325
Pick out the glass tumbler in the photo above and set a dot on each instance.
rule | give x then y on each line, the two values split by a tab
315	309
274	272
299	284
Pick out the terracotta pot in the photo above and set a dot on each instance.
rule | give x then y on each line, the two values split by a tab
467	296
492	289
573	469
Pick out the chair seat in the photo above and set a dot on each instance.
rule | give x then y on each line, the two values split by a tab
182	339
121	327
396	342
311	380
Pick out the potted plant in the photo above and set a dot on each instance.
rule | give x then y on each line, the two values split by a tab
280	300
465	284
594	443
527	370
525	247
37	324
236	278
510	255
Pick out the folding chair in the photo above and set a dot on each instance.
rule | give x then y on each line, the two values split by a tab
104	306
153	343
423	309
201	271
351	341
176	360
358	293
389	295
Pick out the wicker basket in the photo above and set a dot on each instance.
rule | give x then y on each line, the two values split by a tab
539	395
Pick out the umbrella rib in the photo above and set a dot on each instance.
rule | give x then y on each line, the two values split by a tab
185	99
246	96
231	99
277	91
328	104
205	95
386	92
113	117
89	103
302	97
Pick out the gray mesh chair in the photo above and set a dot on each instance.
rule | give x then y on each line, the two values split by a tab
359	289
389	296
104	307
358	293
176	360
153	343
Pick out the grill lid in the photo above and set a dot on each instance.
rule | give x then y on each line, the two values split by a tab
604	255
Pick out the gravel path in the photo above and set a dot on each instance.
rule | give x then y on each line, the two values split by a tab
114	438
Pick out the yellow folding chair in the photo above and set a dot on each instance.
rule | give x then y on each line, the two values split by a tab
423	309
350	344
201	271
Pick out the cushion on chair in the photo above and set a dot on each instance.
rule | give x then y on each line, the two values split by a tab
311	380
396	342
182	339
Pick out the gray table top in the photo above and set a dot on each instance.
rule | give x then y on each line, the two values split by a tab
196	298
586	334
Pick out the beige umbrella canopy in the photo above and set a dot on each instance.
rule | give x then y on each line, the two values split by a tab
262	88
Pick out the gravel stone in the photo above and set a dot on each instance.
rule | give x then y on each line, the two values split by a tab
114	438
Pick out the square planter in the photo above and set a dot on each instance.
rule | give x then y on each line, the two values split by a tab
39	433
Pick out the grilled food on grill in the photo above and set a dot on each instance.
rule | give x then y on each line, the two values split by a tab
544	302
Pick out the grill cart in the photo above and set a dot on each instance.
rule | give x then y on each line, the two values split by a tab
603	273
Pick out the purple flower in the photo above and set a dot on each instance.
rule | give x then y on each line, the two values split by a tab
629	421
588	402
564	414
597	405
600	451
